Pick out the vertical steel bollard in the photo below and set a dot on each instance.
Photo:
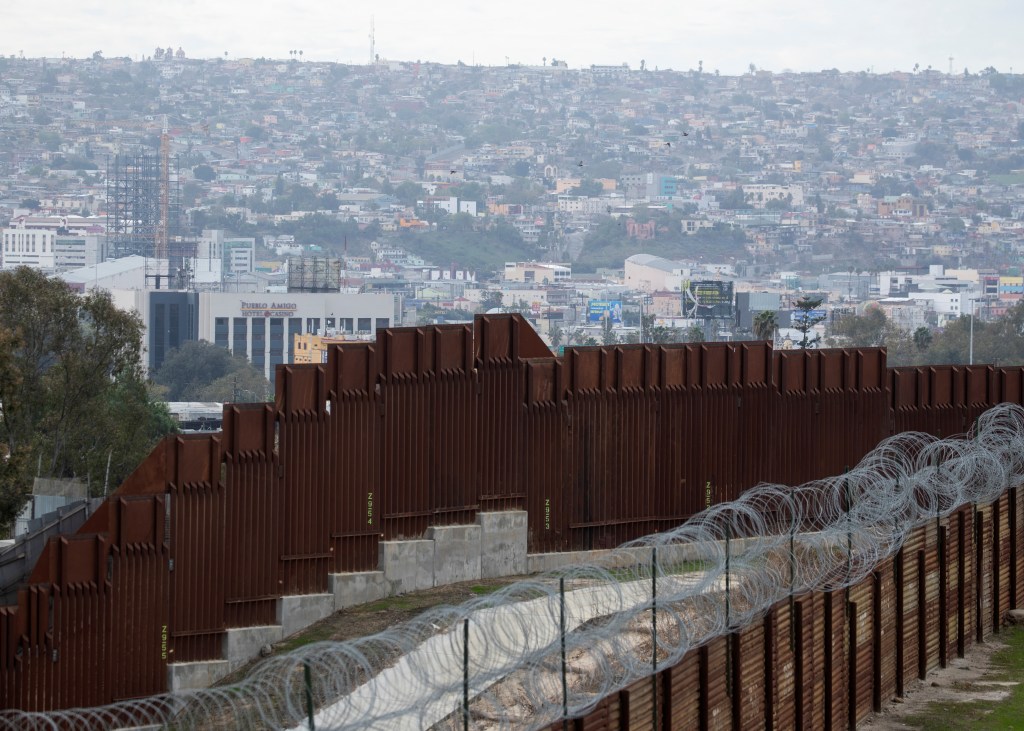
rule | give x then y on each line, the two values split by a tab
654	635
561	628
465	674
849	528
728	541
308	677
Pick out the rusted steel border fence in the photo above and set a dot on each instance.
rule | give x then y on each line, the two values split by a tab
426	427
826	660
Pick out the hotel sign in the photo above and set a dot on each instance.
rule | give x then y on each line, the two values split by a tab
268	309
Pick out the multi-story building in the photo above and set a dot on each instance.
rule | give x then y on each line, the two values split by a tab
263	326
29	247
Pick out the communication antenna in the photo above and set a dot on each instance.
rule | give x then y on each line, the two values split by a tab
373	56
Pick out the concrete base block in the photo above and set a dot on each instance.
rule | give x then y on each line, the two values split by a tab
195	675
298	611
360	587
672	558
456	553
538	563
243	644
502	543
407	565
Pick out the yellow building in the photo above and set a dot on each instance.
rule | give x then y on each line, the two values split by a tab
313	348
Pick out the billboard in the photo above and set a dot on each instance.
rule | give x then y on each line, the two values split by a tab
599	310
707	299
815	316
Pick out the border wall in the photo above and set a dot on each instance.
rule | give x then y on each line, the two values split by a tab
827	660
432	427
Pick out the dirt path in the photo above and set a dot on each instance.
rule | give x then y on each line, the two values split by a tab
967	679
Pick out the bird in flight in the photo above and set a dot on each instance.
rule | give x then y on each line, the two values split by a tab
668	144
453	172
581	163
686	134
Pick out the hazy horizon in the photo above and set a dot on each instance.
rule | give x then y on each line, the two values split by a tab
799	35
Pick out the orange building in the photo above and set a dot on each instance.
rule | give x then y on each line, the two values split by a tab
313	348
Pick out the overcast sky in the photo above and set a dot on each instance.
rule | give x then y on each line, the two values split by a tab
729	35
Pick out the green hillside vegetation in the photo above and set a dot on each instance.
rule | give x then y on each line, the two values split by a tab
608	244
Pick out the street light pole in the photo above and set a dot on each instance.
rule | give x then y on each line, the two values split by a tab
970	342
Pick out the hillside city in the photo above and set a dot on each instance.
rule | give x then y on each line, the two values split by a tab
606	204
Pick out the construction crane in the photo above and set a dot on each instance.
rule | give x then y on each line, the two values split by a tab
161	234
163	226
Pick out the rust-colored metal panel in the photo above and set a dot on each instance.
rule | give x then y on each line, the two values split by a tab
1002	559
966	561
749	689
836	662
1011	384
507	336
929	601
862	647
252	511
983	589
908	587
547	471
195	506
782	692
716	684
356	428
1017	545
685	695
885	635
428	474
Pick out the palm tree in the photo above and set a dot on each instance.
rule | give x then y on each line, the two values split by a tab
765	325
922	339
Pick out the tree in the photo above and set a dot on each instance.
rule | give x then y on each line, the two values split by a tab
491	300
922	339
72	386
608	334
765	325
860	331
556	335
694	334
205	173
201	371
806	317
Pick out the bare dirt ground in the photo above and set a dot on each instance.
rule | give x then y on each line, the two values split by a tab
966	679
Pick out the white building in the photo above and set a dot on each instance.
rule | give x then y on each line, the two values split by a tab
532	271
126	273
263	326
239	256
649	273
75	251
29	247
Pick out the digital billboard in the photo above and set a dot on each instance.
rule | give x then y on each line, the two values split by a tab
708	299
